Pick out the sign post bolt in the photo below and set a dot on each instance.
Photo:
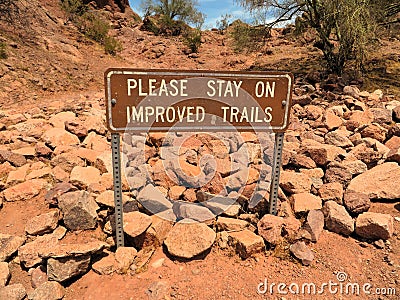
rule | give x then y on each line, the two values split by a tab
113	101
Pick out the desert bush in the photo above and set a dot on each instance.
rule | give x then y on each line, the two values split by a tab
73	8
111	45
248	38
345	28
93	27
192	40
3	50
223	23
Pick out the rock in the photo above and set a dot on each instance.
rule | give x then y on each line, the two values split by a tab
155	235
315	175
380	182
58	120
79	210
315	224
67	161
42	150
9	244
293	182
16	160
158	290
337	219
229	224
106	265
270	228
192	211
24	191
13	292
56	137
106	198
352	91
153	200
62	269
96	142
187	240
57	190
331	121
323	154
138	181
135	223
103	162
25	151
302	252
337	172
246	243
83	177
38	276
49	290
331	191
77	128
17	176
339	138
356	203
372	225
305	202
374	131
124	257
43	223
354	166
302	161
4	274
382	116
29	253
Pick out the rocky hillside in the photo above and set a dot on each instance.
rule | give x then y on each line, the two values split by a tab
339	208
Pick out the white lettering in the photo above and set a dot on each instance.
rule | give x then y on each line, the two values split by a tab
132	84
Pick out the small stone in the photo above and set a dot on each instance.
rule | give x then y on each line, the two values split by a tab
193	211
293	182
188	240
16	160
62	269
79	210
135	223
153	200
58	120
43	223
105	266
331	121
4	274
9	244
83	177
124	257
315	224
302	252
13	292
158	290
38	277
246	243
270	228
56	137
24	191
380	244
337	219
58	190
229	224
304	202
49	290
331	191
356	203
372	225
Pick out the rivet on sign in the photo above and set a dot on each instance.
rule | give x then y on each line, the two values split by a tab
283	103
113	101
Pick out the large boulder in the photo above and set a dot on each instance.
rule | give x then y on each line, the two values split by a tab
380	182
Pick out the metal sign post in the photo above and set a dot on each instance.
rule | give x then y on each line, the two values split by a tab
140	100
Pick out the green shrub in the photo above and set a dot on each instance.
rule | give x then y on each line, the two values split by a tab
94	27
112	45
3	50
192	39
248	38
73	8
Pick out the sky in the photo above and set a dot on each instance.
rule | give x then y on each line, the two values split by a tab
213	9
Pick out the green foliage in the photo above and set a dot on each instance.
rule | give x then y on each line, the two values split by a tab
192	39
184	10
112	45
223	23
91	25
345	28
248	38
3	50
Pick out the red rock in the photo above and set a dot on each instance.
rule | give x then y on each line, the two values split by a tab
304	202
16	160
331	191
96	142
374	131
42	149
302	252
59	119
293	182
356	203
25	151
175	192
83	177
337	219
331	121
315	224
17	176
25	191
76	127
270	228
59	137
43	223
371	225
136	223
246	243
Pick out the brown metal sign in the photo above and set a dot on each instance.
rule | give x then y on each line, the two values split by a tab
178	100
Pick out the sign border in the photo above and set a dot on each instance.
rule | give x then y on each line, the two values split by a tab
198	73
